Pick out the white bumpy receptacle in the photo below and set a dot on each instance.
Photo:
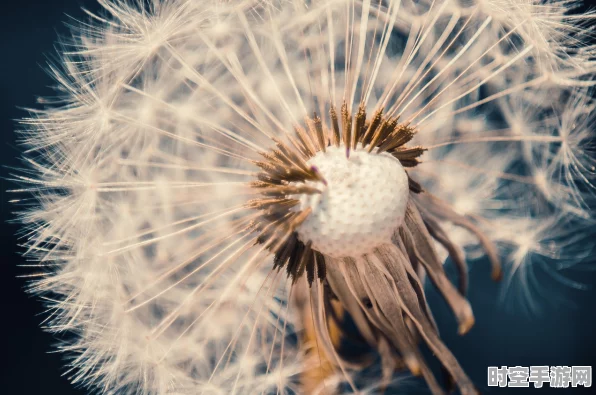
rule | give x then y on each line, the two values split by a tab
361	206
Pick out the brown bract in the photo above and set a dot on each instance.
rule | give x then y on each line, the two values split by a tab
381	292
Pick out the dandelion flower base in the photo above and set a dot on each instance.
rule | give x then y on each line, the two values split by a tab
361	205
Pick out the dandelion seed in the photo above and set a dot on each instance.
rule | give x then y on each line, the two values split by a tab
224	184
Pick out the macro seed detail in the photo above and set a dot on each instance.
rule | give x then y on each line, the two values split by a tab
362	205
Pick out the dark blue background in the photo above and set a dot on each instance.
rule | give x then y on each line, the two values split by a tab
29	29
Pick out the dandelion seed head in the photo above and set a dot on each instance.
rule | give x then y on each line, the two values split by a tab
221	183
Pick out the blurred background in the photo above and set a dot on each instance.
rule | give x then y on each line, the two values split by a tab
563	334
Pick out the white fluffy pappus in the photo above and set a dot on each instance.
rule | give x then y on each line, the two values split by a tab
143	170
